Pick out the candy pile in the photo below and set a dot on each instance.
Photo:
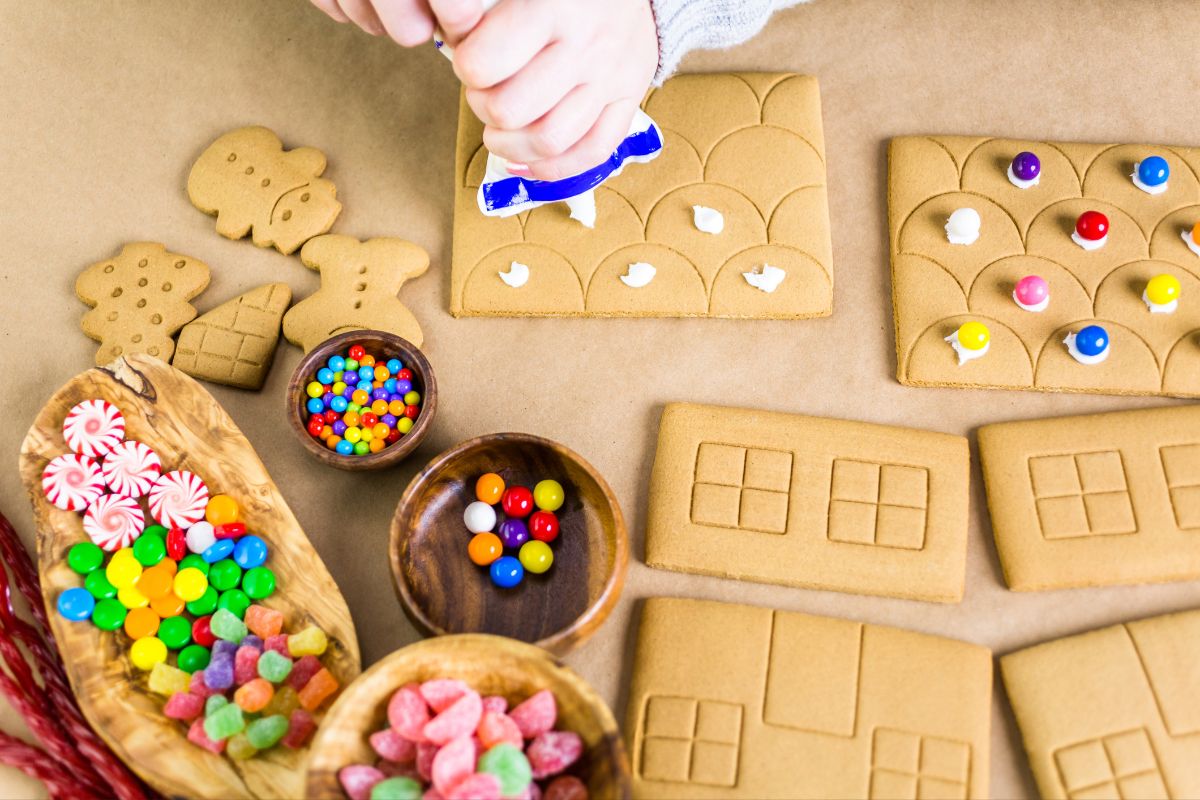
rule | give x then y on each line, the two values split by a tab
357	406
533	537
446	742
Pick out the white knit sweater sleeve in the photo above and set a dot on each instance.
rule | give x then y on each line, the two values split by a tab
685	25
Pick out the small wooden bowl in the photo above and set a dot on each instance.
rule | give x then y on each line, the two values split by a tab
442	591
491	665
383	346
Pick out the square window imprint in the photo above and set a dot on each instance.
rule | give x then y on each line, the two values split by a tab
1118	765
908	765
686	740
1085	494
878	504
744	488
1181	466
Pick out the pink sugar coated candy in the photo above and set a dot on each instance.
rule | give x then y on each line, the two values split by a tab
460	718
565	787
495	703
197	736
391	746
1031	290
394	770
200	688
432	794
536	715
245	665
359	780
302	672
495	728
184	706
425	755
480	786
263	622
552	752
407	713
300	727
278	644
441	693
452	764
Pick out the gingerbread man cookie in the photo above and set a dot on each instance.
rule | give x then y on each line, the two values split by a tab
139	300
359	283
253	186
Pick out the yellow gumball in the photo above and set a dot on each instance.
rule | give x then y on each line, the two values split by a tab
147	652
548	495
221	510
130	597
1163	289
123	571
190	584
974	335
536	556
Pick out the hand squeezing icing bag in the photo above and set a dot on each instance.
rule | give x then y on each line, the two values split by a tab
503	194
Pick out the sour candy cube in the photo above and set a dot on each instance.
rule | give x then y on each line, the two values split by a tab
553	752
391	746
254	695
266	732
317	690
224	722
300	726
453	763
245	665
459	719
184	706
408	714
166	680
197	736
274	667
309	642
536	715
357	780
263	621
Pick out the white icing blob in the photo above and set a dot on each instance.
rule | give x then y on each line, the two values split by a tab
1089	244
1190	242
517	275
1162	187
767	279
1036	307
708	220
1160	308
1020	184
966	354
638	275
583	208
1080	357
963	226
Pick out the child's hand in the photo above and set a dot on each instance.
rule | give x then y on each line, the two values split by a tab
409	22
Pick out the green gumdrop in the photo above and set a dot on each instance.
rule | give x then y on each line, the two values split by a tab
194	561
98	584
234	600
259	583
108	615
225	574
266	732
204	604
194	657
149	550
215	703
155	530
396	789
225	625
175	632
510	766
224	722
85	558
274	666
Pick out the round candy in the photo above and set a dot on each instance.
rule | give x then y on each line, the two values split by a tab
258	583
230	530
548	495
85	558
394	366
1195	234
149	550
1026	166
973	335
314	389
193	658
403	387
1032	290
131	468
412	399
194	561
169	605
99	586
202	631
155	582
221	509
337	363
517	501
140	623
485	548
536	557
235	601
506	572
156	530
1163	289
1092	340
314	405
1154	171
93	428
72	482
225	574
201	536
325	375
513	532
114	521
479	517
404	425
190	584
147	652
206	603
109	614
175	632
543	526
345	447
176	544
130	597
1092	226
366	374
177	499
76	604
250	552
356	352
218	550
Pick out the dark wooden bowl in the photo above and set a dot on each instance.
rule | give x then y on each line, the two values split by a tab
383	346
442	591
491	665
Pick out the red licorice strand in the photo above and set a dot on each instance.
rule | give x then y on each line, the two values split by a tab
24	574
48	733
36	764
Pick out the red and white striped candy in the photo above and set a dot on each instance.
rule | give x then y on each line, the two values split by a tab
93	428
114	521
177	499
72	482
131	468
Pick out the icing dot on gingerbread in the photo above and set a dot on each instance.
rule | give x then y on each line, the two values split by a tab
156	319
287	215
143	262
233	157
167	286
362	270
116	292
266	182
116	351
152	350
249	170
357	304
109	268
142	281
360	287
304	197
180	264
141	303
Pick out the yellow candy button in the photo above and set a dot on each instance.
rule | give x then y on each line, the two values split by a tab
122	572
190	584
147	652
973	335
1163	289
130	597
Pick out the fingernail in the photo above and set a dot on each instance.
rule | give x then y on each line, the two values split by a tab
520	170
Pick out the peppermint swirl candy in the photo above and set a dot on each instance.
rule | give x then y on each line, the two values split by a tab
72	482
113	522
93	428
177	499
131	468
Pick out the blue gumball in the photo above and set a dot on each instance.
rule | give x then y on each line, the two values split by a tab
315	405
337	363
339	403
506	572
394	365
345	448
325	376
1092	340
1154	171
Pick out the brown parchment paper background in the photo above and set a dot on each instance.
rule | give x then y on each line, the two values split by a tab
104	105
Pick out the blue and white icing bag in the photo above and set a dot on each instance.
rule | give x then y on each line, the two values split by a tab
502	194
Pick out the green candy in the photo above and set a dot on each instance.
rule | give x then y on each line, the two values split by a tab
235	601
225	625
397	789
259	583
97	583
215	703
108	615
149	550
509	765
193	658
155	530
175	632
204	604
225	574
224	722
266	732
351	364
195	561
85	558
274	666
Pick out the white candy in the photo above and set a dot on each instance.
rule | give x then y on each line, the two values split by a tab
479	517
200	537
708	220
963	226
638	275
767	279
517	275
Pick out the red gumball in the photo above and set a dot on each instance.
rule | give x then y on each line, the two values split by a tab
543	526
368	419
357	352
404	375
176	544
393	436
1092	225
316	424
412	411
331	417
202	631
517	501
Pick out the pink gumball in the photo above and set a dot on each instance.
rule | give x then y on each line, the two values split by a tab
1032	292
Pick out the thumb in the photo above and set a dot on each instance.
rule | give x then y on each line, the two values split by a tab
456	18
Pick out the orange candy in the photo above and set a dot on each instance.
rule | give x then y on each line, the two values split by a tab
221	510
367	360
1196	233
317	690
376	445
489	488
379	408
485	548
360	397
169	565
254	695
263	622
156	581
169	605
326	432
350	418
141	623
332	441
381	373
396	408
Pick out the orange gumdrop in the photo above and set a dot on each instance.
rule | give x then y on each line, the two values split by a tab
141	623
317	690
489	488
254	695
484	548
263	622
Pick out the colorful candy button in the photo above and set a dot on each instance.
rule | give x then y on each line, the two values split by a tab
1161	295
513	532
1088	346
1151	174
140	623
1032	293
479	517
548	495
149	550
175	632
190	584
109	614
1091	230
130	597
205	603
536	556
506	572
85	558
963	226
147	652
123	569
98	586
517	501
155	582
169	605
76	604
485	548
1025	171
258	583
543	526
250	552
970	341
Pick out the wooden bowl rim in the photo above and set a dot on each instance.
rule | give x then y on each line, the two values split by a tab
388	456
604	601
